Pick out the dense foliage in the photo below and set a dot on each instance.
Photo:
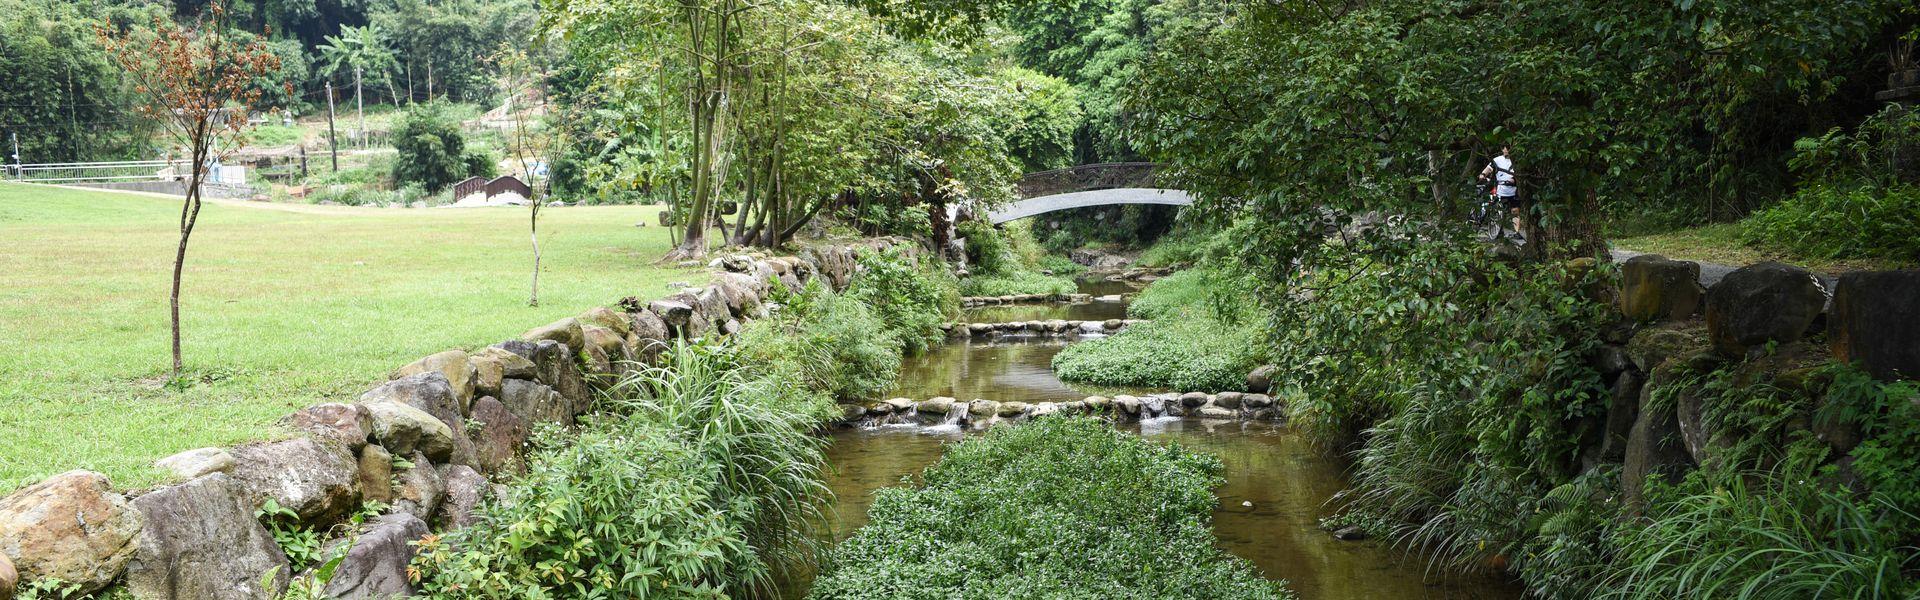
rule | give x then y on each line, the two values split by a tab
1057	508
694	488
1394	106
792	109
1858	202
1006	261
62	100
911	296
433	152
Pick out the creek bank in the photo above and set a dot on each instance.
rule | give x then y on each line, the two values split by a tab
458	418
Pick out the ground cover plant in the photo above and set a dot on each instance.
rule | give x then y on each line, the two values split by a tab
290	305
1200	338
1056	508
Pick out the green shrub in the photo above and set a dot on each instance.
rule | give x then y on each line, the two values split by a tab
1056	508
829	343
695	487
913	298
1185	246
1826	221
1186	353
1213	294
432	150
1005	262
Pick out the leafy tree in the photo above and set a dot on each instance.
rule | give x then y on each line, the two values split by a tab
360	51
62	96
432	150
198	82
442	46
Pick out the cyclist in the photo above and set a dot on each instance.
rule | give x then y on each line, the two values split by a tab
1500	169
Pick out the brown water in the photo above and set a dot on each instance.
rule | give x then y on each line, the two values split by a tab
1276	485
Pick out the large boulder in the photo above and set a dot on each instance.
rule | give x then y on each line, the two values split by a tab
455	367
403	428
1655	445
554	365
499	434
72	527
535	403
194	463
1623	409
202	542
347	425
674	314
650	335
1761	303
375	473
431	393
375	567
564	331
608	318
317	481
465	490
1649	348
1876	322
1259	381
1654	288
9	578
418	490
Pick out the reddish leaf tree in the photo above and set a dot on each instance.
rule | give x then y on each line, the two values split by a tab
196	80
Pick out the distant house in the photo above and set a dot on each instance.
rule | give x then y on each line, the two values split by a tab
500	191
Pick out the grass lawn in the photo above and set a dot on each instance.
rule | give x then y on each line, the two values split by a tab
1721	244
284	306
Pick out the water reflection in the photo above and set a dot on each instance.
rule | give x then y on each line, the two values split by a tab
1009	370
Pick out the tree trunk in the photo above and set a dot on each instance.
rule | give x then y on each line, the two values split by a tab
189	215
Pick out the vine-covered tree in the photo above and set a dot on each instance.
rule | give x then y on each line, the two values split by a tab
198	83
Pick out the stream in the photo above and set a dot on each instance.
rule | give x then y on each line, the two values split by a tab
1276	488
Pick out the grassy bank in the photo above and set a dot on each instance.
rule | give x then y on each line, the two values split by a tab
284	306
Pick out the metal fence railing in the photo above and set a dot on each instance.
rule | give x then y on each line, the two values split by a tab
125	170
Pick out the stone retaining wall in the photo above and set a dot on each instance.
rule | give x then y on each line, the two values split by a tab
456	417
981	414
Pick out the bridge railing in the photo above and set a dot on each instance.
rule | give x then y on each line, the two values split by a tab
1088	177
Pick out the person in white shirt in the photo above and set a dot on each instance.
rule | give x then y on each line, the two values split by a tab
1501	170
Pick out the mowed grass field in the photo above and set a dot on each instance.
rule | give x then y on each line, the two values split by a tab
284	306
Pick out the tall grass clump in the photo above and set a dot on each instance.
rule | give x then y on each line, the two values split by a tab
1762	535
1057	508
695	486
829	343
1005	261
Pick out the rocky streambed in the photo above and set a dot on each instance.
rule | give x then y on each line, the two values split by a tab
1277	486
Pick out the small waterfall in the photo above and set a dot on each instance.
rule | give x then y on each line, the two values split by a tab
951	422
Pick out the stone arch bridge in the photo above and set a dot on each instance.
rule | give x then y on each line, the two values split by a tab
1088	185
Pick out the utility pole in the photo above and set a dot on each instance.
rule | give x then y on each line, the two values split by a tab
333	141
361	108
73	122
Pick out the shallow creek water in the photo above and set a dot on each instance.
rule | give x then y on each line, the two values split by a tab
1276	486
